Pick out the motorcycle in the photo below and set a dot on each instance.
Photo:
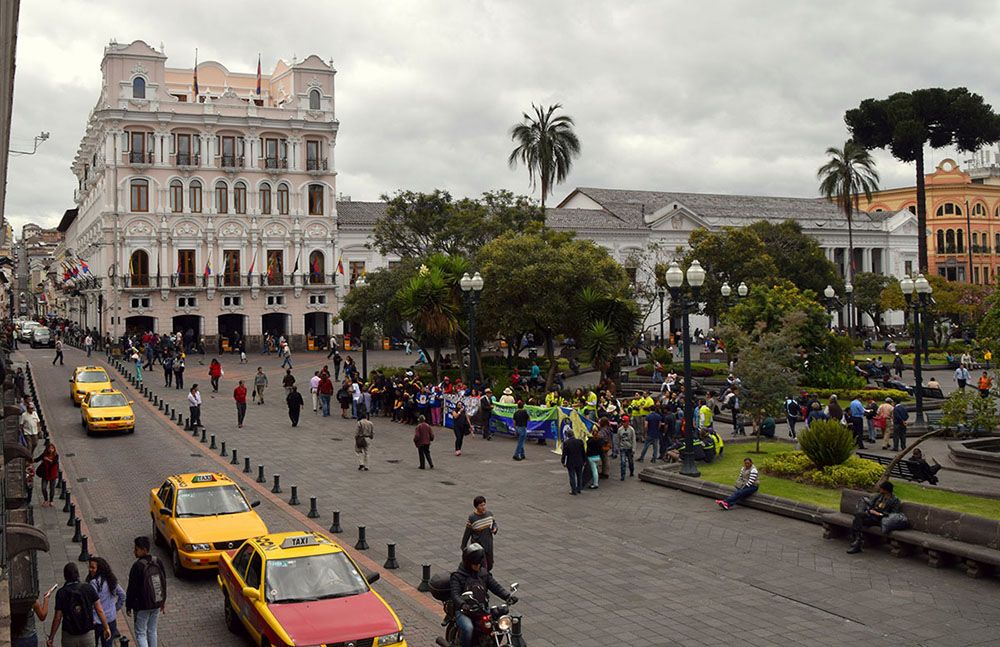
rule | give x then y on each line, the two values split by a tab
494	627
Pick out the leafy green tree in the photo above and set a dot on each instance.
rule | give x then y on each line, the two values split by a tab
733	254
375	305
797	255
906	122
416	225
849	173
610	323
546	145
767	306
868	290
428	302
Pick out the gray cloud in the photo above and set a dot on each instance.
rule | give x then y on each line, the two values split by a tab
732	97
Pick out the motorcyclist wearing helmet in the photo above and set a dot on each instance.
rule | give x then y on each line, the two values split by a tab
472	576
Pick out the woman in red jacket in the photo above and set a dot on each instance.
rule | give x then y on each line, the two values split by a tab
48	471
215	372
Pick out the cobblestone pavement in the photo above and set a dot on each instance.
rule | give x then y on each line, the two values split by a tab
630	563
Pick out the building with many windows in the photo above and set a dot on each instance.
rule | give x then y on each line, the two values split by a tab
206	200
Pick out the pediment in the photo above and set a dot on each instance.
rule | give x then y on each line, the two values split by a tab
676	217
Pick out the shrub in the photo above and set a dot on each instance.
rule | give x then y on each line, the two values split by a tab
846	395
663	356
787	464
827	442
855	473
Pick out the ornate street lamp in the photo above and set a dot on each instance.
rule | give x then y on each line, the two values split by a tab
922	288
849	289
661	292
472	286
688	304
360	284
830	299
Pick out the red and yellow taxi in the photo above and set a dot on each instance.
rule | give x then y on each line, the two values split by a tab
199	516
300	588
87	379
107	410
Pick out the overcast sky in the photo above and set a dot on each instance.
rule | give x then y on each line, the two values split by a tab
726	97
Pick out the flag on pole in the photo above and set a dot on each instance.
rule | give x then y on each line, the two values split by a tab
296	268
208	267
258	73
316	270
272	264
340	264
84	266
252	263
196	74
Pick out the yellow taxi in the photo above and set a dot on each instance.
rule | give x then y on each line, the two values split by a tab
87	379
107	410
301	588
198	516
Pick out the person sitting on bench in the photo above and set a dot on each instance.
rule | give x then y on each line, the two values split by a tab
921	469
884	503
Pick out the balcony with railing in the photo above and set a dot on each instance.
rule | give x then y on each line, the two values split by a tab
232	161
274	163
139	158
187	159
317	165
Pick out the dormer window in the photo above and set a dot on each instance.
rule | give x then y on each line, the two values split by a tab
138	88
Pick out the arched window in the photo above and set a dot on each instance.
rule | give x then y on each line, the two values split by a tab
140	195
996	243
949	209
949	237
940	240
283	199
194	199
960	241
221	197
975	242
315	199
265	199
138	88
979	209
138	269
176	196
240	198
314	98
317	267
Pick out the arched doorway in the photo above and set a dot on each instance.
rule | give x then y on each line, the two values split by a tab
275	323
232	328
139	324
190	327
316	329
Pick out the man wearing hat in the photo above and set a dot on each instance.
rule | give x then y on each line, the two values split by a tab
486	412
884	503
626	446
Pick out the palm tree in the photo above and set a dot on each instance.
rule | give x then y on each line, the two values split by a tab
850	172
546	144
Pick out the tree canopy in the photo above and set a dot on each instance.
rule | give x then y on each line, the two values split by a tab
868	289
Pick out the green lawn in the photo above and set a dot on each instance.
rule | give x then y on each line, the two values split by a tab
726	469
936	358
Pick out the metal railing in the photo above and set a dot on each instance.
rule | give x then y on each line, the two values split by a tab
139	157
316	165
275	162
187	159
232	161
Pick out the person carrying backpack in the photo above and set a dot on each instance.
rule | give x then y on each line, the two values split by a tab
76	604
146	595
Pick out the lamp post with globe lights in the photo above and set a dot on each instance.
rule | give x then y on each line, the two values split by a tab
360	283
472	286
830	299
920	287
849	289
688	304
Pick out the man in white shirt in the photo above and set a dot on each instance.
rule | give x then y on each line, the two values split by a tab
314	390
194	405
88	344
29	427
356	397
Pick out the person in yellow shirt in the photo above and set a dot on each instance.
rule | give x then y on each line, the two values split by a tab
987	357
552	398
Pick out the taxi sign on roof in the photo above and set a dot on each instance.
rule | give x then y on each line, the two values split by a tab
301	540
203	478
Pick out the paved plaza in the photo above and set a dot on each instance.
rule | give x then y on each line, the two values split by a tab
630	563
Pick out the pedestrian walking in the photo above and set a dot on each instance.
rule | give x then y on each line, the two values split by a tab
985	384
295	403
604	431
626	446
259	384
314	391
29	427
899	417
883	421
461	425
897	365
856	411
331	345
521	418
344	397
48	471
337	361
595	445
111	597
356	399
214	373
654	423
76	606
573	459
59	352
746	484
146	593
286	356
194	405
485	413
168	370
792	413
288	381
179	372
480	529
962	377
363	437
423	436
88	344
240	396
325	391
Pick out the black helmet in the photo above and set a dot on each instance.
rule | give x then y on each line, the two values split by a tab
473	554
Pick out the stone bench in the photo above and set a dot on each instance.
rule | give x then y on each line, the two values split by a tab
943	535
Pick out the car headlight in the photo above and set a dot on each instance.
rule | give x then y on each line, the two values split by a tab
128	417
197	548
391	639
504	623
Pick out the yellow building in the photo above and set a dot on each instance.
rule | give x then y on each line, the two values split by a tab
963	220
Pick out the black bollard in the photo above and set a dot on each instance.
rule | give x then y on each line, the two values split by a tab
212	444
188	425
425	578
294	499
72	514
62	491
156	401
193	430
246	465
180	422
335	526
260	474
84	550
277	485
313	512
235	460
203	439
172	413
160	405
390	561
223	451
61	482
69	498
362	542
76	530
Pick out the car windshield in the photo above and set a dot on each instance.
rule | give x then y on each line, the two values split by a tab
41	332
317	577
209	501
108	400
91	376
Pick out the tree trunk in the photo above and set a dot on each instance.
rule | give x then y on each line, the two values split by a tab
898	457
921	215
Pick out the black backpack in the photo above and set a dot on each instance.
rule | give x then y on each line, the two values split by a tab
154	584
78	616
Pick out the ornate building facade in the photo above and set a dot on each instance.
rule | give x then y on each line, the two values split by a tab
206	199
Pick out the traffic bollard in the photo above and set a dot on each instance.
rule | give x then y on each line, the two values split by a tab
76	531
390	561
172	413
62	491
211	445
260	474
235	460
193	430
180	422
84	550
223	451
60	482
72	514
294	499
335	526
277	485
313	512
188	425
362	541
425	578
203	439
246	465
69	498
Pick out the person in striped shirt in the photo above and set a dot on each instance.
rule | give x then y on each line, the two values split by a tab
480	529
746	485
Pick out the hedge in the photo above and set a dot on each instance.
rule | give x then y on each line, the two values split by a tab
846	395
854	473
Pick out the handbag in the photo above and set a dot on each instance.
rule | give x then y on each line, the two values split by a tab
894	521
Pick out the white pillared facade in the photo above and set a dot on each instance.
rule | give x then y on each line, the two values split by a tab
213	212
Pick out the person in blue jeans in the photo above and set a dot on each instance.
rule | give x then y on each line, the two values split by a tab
654	422
136	601
573	459
595	445
746	484
521	428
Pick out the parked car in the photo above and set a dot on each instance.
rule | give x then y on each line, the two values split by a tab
42	336
25	330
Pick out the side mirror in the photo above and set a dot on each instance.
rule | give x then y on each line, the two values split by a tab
373	576
131	401
70	380
255	504
112	380
165	512
251	594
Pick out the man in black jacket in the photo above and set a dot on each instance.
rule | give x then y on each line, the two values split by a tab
574	458
471	576
884	504
139	599
295	403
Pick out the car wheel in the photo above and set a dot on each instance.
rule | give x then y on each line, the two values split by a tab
175	562
264	642
157	535
232	622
